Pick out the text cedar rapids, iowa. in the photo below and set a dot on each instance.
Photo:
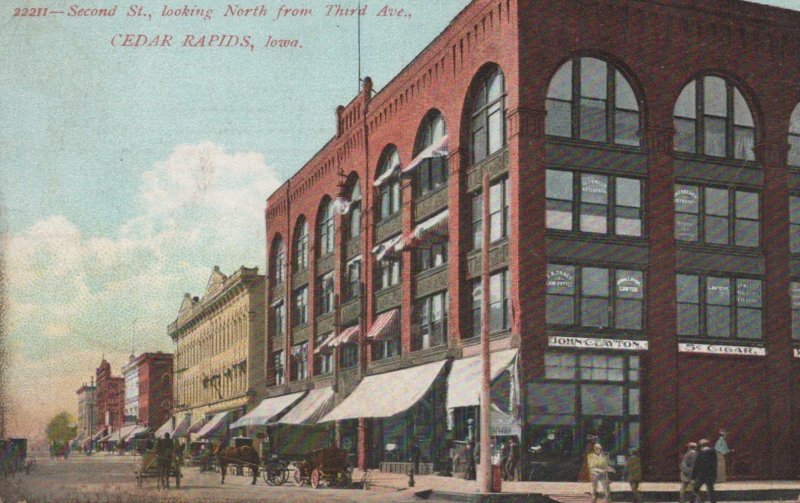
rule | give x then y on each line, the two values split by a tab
138	40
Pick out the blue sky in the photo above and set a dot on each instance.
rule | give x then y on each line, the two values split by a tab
127	174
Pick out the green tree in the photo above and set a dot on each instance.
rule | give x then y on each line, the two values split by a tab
61	429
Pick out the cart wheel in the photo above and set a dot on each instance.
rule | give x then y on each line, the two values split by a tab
265	474
315	478
299	481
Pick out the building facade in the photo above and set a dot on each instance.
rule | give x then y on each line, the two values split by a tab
130	373
148	389
641	163
109	398
219	343
86	411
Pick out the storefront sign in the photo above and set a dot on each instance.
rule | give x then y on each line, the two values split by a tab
721	349
594	343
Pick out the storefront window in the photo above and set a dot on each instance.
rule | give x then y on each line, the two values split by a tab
707	306
348	355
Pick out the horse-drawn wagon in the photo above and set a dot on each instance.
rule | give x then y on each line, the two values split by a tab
149	467
329	465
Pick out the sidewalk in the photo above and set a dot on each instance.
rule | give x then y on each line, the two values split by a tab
456	489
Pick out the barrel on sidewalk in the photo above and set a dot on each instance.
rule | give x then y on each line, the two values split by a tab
497	478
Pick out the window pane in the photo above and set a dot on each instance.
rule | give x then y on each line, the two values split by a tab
718	322
743	141
496	87
624	94
688	288
478	139
718	291
561	84
560	279
594	312
716	201
601	400
496	129
685	131
629	314
559	366
560	310
594	282
687	199
559	118
594	78
626	128
628	222
747	205
688	319
559	215
594	189
715	96
686	104
686	227
633	401
593	120
594	218
748	293
747	233
741	112
629	192
716	231
794	150
715	136
748	323
630	284
495	197
794	209
558	185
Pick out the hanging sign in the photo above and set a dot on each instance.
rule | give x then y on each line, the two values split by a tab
721	349
558	341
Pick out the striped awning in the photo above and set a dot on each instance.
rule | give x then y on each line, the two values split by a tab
99	434
432	229
184	427
439	148
386	325
326	343
346	336
165	428
386	175
215	425
389	248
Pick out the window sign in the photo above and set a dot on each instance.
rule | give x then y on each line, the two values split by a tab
719	291
748	292
629	284
560	279
687	199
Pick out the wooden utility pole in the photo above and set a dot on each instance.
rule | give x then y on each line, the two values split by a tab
485	471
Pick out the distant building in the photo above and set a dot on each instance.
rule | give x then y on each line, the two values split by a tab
130	373
154	387
219	354
86	410
109	398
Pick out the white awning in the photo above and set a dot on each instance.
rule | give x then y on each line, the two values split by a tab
214	425
136	431
435	227
267	410
389	248
99	434
439	148
464	381
384	395
386	175
386	325
121	434
316	404
164	429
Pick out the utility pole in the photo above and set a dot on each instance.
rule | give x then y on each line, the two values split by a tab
485	472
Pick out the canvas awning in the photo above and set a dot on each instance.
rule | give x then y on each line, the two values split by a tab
439	148
386	325
389	248
384	395
464	381
121	434
214	425
436	227
325	345
100	434
267	410
139	432
183	428
346	336
164	429
310	409
386	175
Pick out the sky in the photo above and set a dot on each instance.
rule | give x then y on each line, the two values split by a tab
127	173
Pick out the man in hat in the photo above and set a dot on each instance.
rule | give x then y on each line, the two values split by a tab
687	465
705	471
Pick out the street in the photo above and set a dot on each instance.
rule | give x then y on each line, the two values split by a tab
110	478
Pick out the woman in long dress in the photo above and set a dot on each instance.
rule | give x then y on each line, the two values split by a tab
721	446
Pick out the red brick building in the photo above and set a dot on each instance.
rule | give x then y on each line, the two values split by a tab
109	398
644	167
155	388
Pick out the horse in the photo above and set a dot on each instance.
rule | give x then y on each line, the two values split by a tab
244	455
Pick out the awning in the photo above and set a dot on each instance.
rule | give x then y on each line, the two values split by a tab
164	429
384	395
346	336
389	248
121	434
316	404
214	425
139	432
463	383
439	148
100	434
183	427
267	410
325	344
386	326
436	227
107	438
386	175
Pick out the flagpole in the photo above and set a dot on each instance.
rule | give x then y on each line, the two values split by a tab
358	18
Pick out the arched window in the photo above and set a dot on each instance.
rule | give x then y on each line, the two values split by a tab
327	228
388	183
278	261
794	138
713	118
488	126
432	170
589	99
301	245
353	227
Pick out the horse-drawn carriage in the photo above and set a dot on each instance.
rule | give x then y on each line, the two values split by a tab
14	457
329	465
149	467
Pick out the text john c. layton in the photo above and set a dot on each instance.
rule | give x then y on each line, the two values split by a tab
217	40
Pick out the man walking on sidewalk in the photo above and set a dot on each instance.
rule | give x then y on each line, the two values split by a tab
705	471
687	466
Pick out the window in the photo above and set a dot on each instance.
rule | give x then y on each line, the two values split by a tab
327	229
279	319
388	272
499	197
353	279
389	190
277	365
386	348
300	308
348	355
589	99
431	320
300	361
794	224
279	261
713	118
606	205
719	307
353	227
499	303
326	293
301	245
488	116
432	173
323	361
794	138
729	217
795	286
595	297
431	254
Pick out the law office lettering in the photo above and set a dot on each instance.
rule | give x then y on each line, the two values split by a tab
560	277
721	349
596	343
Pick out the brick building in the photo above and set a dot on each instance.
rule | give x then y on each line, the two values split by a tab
109	399
149	403
86	411
643	160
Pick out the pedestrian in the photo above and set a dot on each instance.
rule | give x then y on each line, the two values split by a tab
513	459
471	455
415	455
721	446
633	473
164	452
583	474
705	471
504	449
686	467
599	468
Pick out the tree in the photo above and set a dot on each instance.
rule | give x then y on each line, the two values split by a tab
61	429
